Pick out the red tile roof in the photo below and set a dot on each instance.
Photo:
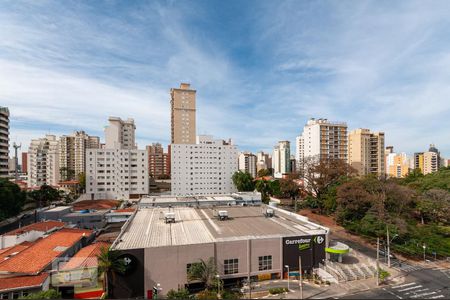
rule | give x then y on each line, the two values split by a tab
41	226
132	209
86	257
22	282
95	204
69	182
10	250
37	257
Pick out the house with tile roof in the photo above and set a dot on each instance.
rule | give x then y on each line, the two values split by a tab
25	268
29	233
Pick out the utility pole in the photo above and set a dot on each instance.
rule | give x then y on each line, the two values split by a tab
378	261
388	247
287	267
300	275
16	160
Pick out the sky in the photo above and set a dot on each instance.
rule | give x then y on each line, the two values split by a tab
261	68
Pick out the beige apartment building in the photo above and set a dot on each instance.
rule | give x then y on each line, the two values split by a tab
426	162
247	163
43	161
73	153
321	139
183	114
397	164
366	152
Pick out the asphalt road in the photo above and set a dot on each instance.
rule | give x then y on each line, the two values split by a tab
419	284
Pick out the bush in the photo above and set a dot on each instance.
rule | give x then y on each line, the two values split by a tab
277	290
180	294
226	294
206	295
383	274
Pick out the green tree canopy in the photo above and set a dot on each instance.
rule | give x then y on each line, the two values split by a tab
204	271
11	199
243	181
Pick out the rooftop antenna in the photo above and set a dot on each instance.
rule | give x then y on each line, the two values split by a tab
16	160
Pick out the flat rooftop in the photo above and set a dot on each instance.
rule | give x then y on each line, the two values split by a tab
201	225
149	201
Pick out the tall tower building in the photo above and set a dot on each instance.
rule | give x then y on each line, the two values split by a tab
247	163
183	109
73	153
322	139
397	164
24	162
4	141
427	162
281	159
366	152
43	161
120	134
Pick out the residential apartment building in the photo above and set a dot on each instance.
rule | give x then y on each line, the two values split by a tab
120	134
120	172
24	162
281	163
183	113
264	161
322	139
247	163
158	161
366	152
4	141
397	164
73	153
427	162
203	168
43	161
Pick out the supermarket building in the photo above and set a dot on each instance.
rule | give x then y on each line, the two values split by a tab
254	242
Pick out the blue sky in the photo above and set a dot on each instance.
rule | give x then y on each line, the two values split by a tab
261	68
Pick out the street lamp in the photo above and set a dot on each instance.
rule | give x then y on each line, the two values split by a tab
218	284
287	267
424	248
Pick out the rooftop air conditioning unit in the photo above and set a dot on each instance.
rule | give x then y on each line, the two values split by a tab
223	215
169	217
270	212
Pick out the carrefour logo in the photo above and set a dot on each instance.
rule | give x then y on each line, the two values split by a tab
319	239
298	241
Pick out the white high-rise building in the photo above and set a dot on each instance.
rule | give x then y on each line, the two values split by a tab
247	163
43	161
73	152
4	141
120	134
204	168
281	163
118	170
322	139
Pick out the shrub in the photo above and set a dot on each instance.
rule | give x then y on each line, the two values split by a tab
277	290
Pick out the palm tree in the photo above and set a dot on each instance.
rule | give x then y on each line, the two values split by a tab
109	264
204	271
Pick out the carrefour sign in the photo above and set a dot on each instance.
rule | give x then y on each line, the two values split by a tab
310	248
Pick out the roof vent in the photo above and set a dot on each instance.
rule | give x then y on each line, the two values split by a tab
169	217
223	215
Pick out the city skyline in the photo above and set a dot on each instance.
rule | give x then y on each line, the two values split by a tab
259	76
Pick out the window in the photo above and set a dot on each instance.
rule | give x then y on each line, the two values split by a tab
230	266
265	262
4	296
15	295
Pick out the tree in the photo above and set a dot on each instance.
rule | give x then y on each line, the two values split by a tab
243	181
45	195
49	294
263	173
289	188
434	206
109	264
204	271
82	181
11	199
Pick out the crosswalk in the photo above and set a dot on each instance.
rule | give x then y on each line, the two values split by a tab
446	272
405	267
414	290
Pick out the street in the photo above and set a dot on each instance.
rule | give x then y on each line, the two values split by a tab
419	284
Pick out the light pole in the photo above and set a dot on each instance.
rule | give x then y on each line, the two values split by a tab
389	246
424	248
300	275
378	261
218	285
287	267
